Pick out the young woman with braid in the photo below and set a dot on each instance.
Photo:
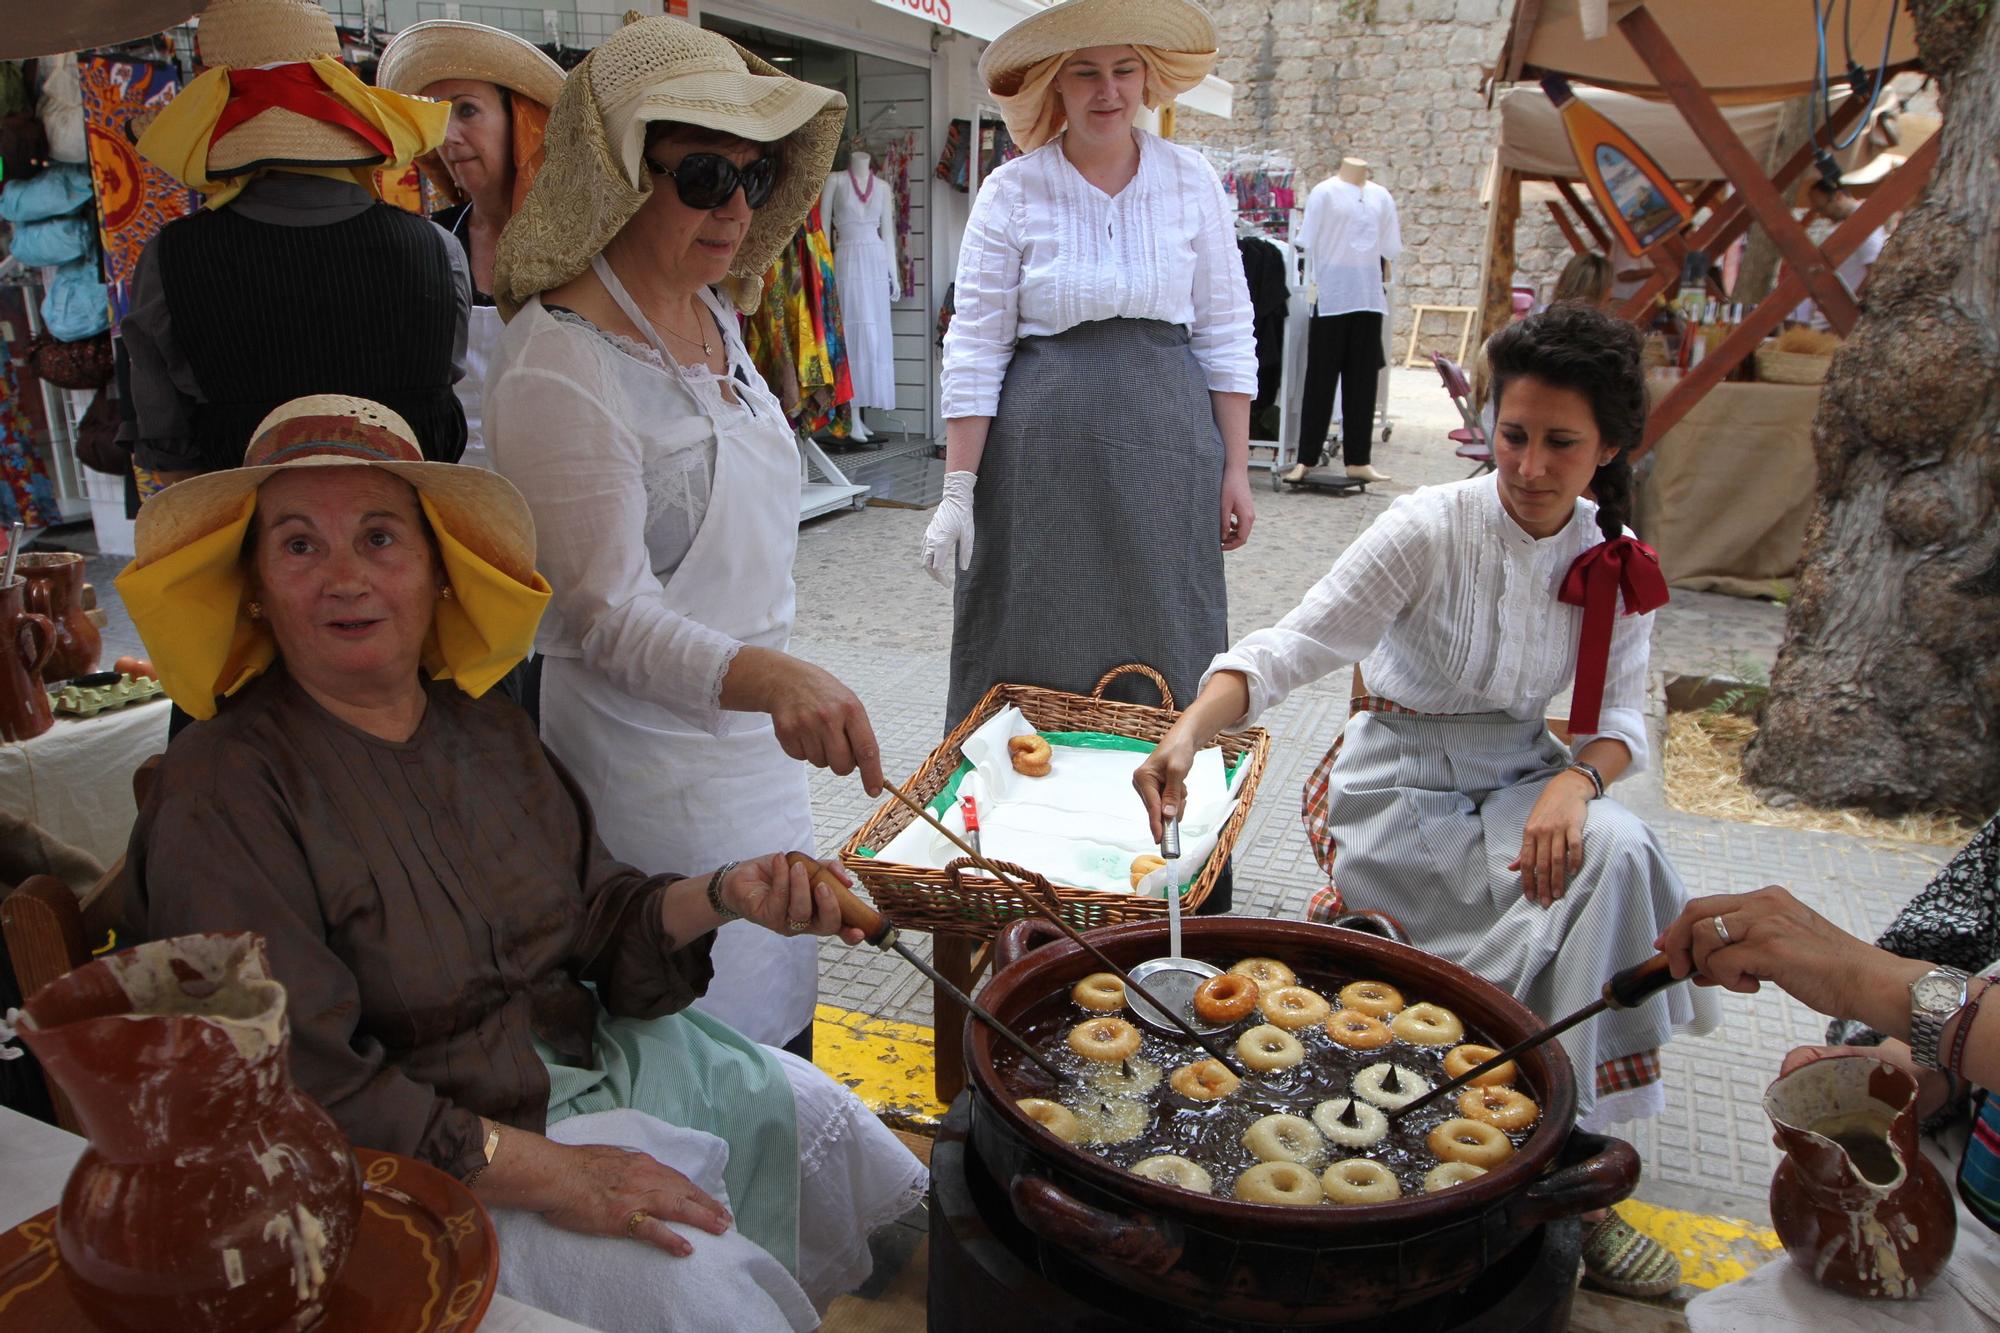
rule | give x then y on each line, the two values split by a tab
1447	800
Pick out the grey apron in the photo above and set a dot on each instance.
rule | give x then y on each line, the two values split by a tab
1097	520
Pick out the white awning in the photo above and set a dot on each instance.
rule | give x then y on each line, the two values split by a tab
987	19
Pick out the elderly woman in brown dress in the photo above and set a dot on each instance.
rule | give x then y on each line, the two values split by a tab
472	980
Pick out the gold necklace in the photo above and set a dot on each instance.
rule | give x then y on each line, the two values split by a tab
703	343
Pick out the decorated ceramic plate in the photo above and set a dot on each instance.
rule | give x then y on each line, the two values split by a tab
425	1261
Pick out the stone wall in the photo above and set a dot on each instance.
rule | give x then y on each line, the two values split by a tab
1397	83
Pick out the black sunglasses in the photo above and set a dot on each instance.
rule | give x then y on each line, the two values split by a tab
707	180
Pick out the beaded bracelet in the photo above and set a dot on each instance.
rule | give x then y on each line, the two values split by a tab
1966	1018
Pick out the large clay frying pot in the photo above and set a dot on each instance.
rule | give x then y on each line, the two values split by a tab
1265	1263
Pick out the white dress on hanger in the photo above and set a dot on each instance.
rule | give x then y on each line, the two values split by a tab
864	271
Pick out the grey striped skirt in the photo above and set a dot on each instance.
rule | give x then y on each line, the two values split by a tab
1097	520
1428	812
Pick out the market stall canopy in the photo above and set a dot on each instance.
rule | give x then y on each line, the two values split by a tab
1739	50
51	27
987	19
1534	142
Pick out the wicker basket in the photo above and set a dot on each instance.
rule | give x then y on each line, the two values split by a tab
959	900
1776	367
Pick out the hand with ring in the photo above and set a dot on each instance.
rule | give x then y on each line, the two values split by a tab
781	897
605	1191
1739	941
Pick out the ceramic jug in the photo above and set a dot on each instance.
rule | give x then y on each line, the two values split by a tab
1858	1207
55	590
213	1194
26	640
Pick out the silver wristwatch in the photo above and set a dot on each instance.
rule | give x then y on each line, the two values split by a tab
1934	998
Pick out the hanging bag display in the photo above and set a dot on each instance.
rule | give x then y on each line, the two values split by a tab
83	364
77	305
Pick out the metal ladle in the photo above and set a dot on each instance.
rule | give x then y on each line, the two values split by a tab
1173	979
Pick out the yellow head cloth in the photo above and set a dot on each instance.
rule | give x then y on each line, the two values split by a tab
188	606
1035	115
178	139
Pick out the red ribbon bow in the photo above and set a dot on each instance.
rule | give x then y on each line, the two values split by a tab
294	87
1594	582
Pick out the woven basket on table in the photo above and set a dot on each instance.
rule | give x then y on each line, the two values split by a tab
962	900
1776	367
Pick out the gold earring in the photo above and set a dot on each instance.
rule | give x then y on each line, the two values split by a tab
444	593
256	610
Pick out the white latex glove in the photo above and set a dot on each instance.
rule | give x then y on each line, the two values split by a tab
948	539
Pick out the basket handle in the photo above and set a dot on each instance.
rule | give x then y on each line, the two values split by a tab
955	871
1136	668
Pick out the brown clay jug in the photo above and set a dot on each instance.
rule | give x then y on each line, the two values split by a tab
26	640
55	590
1858	1207
213	1194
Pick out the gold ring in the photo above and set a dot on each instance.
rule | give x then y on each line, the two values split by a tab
798	927
632	1223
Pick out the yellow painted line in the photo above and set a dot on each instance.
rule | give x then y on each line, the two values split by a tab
1713	1250
889	1065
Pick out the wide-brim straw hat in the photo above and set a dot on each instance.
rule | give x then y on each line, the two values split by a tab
663	69
52	27
1178	26
481	508
250	34
439	49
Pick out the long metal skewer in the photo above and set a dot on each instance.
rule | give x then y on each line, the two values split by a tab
879	931
1627	990
1053	912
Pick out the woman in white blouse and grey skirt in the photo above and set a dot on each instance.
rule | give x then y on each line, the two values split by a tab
1098	371
1469	607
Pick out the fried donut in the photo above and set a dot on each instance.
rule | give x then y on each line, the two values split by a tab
1503	1108
1292	1007
1446	1174
1268	1049
1143	866
1100	991
1358	1031
1176	1171
1266	972
1428	1025
1225	999
1105	1039
1278	1182
1350	1122
1377	999
1390	1087
1114	1120
1285	1138
1360	1180
1056	1118
1205	1081
1461	1059
1127	1078
1031	755
1470	1141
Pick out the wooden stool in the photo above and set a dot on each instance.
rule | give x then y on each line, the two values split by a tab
1466	314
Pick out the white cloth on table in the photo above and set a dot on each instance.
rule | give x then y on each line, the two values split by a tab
74	781
1349	230
854	1176
1450	607
666	513
1780	1298
1045	251
864	272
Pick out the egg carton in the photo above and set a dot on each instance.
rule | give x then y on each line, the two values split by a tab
90	700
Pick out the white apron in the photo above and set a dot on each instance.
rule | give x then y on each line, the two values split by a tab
671	798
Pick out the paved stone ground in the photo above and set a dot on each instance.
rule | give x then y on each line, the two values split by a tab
869	614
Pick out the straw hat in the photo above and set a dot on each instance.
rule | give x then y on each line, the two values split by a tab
1178	26
481	509
248	34
439	49
663	69
51	27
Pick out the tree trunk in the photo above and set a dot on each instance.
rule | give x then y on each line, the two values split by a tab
1886	693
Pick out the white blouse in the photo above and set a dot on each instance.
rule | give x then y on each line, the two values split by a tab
1450	607
1045	251
616	467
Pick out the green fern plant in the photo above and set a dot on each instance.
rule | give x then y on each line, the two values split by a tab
1752	682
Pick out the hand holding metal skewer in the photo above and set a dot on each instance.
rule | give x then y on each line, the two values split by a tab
1627	990
1053	911
877	930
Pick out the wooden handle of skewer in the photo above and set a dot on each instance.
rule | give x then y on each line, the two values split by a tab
855	912
1640	982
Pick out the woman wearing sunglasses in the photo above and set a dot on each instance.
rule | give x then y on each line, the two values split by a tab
663	476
